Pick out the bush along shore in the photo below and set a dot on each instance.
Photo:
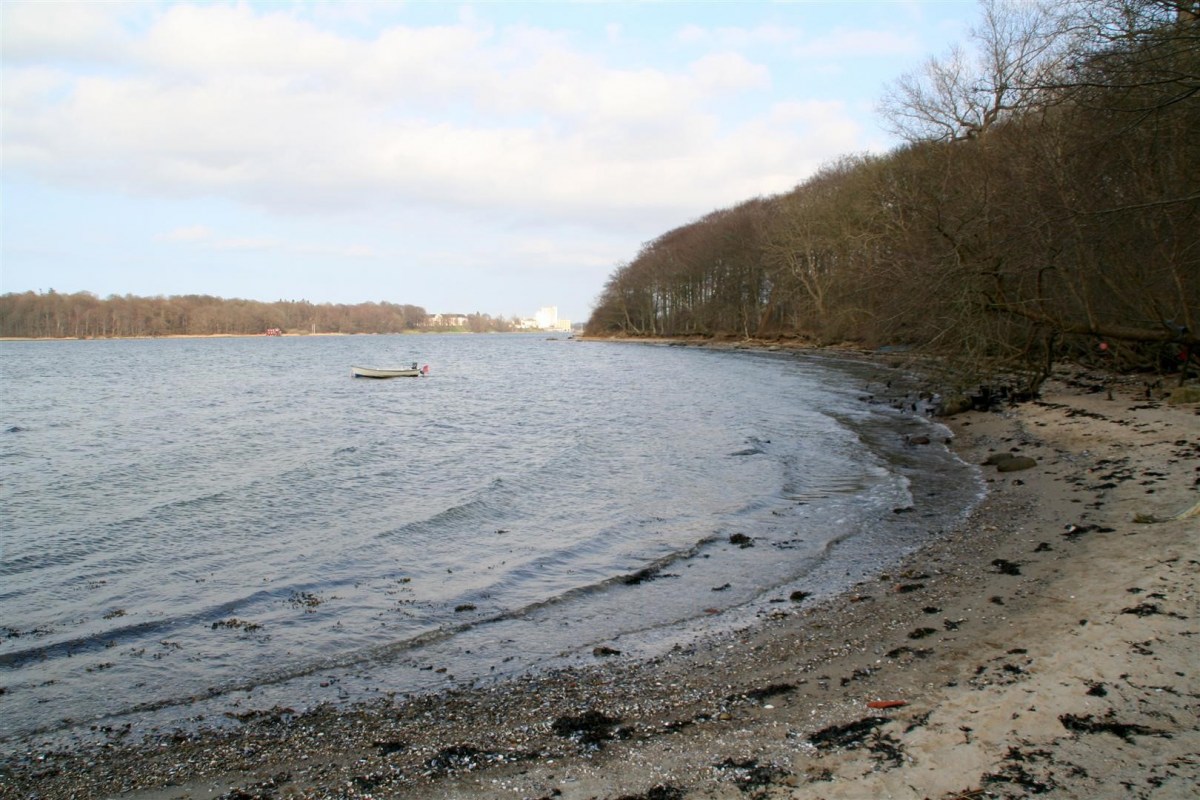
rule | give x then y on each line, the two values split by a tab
1047	646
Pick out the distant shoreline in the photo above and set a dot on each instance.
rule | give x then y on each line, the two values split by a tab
253	336
175	336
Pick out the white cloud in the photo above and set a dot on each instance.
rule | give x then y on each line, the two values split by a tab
729	72
35	30
205	237
553	252
268	108
190	233
859	43
213	42
738	38
252	243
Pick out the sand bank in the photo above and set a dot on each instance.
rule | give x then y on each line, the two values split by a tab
1049	647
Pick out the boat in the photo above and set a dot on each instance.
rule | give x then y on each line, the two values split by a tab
389	372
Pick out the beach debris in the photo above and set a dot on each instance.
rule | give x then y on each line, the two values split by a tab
366	783
602	651
767	692
646	575
1149	610
1075	531
886	750
882	704
905	650
662	791
1016	770
749	775
857	674
741	540
390	746
921	633
1006	567
306	600
849	735
799	596
918	721
591	727
233	623
1123	730
1143	610
455	757
461	607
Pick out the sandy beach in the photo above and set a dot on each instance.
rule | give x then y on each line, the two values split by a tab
1047	647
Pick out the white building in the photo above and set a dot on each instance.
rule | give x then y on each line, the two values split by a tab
448	320
546	319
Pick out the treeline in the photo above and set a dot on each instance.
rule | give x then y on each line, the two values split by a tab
1046	203
84	315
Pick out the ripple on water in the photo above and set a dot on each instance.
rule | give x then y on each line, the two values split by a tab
239	514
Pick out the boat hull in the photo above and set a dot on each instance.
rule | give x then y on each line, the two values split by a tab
383	372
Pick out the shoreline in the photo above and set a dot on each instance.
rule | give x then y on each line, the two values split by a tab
1059	661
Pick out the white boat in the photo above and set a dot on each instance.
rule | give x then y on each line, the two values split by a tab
389	372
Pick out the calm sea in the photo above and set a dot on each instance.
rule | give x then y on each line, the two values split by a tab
191	526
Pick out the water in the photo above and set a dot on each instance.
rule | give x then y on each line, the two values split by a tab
195	525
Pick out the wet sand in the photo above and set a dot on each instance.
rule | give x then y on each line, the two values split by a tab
1048	646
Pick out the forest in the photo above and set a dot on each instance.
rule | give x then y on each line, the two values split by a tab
1044	204
82	315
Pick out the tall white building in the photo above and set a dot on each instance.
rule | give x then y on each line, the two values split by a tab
546	319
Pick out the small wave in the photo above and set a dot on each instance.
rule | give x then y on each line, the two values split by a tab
125	634
379	653
104	540
477	509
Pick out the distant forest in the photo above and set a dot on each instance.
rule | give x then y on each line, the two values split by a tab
83	315
1045	204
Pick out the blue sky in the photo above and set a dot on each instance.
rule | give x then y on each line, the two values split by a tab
492	157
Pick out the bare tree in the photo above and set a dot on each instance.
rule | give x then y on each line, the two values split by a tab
1018	49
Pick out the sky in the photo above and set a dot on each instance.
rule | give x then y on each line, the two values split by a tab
491	157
